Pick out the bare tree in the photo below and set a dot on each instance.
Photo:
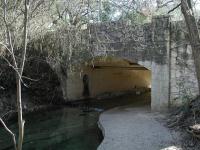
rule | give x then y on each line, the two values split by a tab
16	17
18	66
193	32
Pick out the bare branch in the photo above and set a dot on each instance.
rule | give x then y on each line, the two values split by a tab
16	70
165	4
10	132
25	36
174	8
35	80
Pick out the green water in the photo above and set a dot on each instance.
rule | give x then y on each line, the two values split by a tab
66	128
61	129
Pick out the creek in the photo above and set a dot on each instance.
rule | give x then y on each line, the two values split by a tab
66	128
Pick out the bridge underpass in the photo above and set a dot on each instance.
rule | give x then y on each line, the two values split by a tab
109	77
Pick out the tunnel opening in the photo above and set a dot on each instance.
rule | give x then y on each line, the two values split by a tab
110	77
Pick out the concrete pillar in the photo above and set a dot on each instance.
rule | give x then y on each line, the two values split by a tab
160	87
160	63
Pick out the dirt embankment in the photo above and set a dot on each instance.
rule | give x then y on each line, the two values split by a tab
186	119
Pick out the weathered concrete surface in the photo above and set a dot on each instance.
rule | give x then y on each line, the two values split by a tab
136	129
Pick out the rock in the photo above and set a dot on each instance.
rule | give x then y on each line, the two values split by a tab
172	148
194	130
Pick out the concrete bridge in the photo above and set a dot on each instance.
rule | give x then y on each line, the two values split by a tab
160	46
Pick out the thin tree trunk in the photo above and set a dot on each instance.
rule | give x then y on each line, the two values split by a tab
25	37
18	80
20	117
18	67
194	36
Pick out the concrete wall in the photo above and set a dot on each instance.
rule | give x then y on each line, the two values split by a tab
183	81
160	87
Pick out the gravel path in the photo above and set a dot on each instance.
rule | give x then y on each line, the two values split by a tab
136	129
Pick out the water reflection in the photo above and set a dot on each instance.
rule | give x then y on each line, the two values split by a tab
66	128
62	129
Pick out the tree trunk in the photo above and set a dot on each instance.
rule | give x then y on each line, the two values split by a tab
194	38
19	110
19	77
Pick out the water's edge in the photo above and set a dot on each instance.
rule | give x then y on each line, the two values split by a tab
100	125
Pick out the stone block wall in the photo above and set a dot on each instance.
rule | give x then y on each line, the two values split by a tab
183	81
